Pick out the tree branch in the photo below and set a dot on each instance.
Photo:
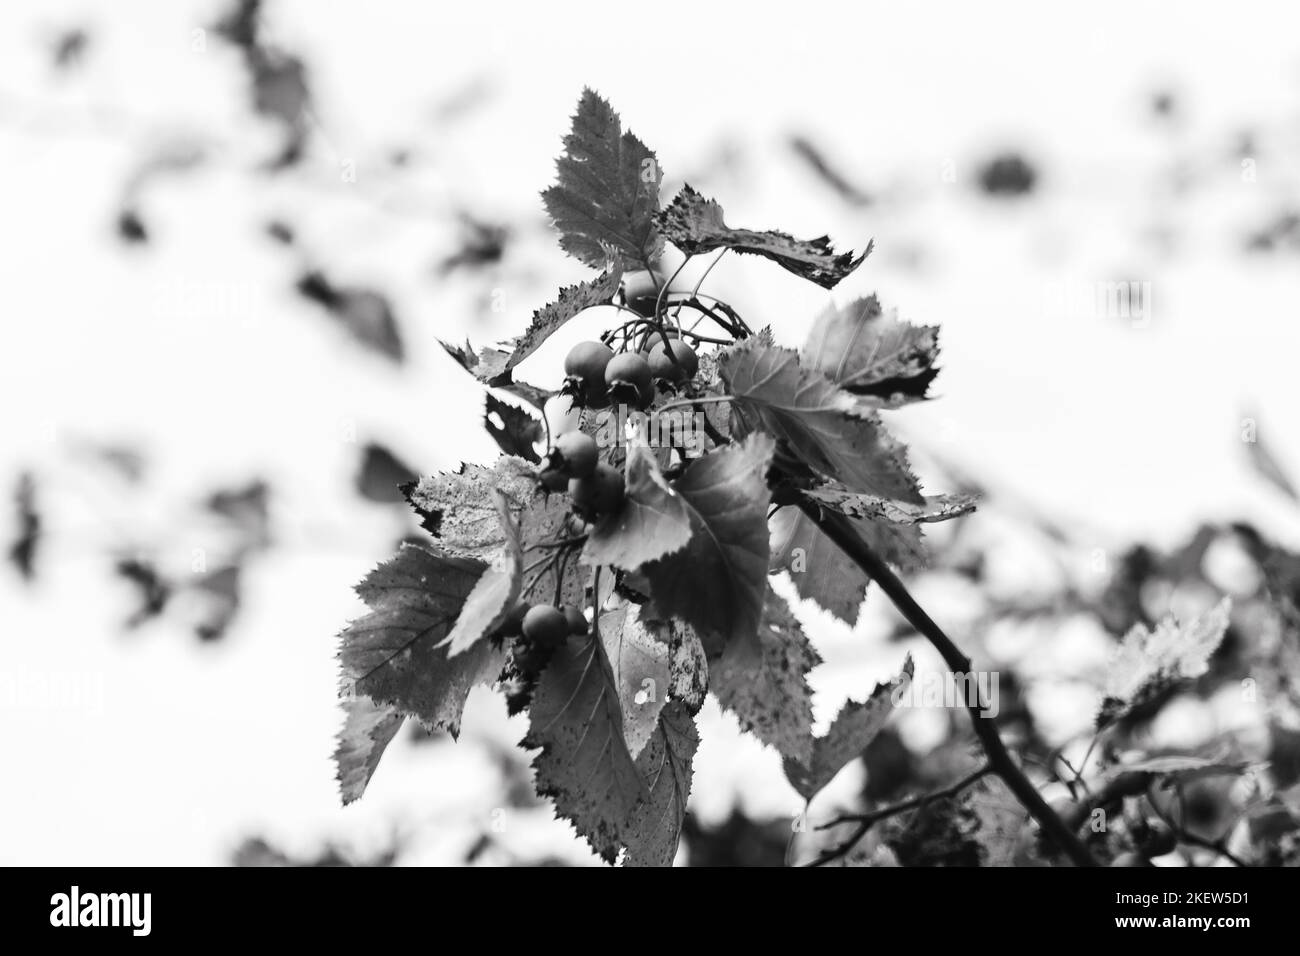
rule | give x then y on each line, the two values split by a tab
865	821
839	530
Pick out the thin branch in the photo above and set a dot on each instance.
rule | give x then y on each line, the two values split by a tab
839	530
865	821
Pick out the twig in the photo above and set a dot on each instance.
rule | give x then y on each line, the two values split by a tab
865	821
839	530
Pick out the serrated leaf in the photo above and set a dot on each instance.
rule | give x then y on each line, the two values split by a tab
368	729
571	300
584	766
460	509
933	508
392	654
852	730
1148	662
653	521
695	224
665	765
517	432
821	572
866	352
607	190
493	596
825	428
773	700
640	675
718	582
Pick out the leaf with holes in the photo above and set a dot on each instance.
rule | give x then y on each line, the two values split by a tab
866	352
772	701
695	224
393	655
852	730
718	582
607	190
516	432
652	522
824	427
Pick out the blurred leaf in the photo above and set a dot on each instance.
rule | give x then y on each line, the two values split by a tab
365	314
1007	174
1148	662
219	592
1268	466
153	590
607	190
825	170
23	550
382	474
695	224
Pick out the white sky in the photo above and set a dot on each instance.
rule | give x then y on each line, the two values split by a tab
1121	429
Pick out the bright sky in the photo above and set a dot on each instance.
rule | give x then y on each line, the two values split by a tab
197	348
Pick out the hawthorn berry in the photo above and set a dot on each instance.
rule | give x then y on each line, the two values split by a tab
545	625
553	479
575	454
585	367
628	375
600	493
512	624
662	365
1155	838
577	621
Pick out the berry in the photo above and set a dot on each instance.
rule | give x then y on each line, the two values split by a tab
662	366
553	479
575	454
586	364
628	375
545	625
640	284
600	493
576	620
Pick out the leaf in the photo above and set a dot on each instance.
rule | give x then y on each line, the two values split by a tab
695	224
823	426
666	766
1268	466
493	596
364	313
653	521
1148	662
392	654
572	300
381	475
488	365
1176	769
774	701
868	353
835	497
640	676
718	582
459	508
852	730
584	766
607	190
688	667
517	432
368	729
821	572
